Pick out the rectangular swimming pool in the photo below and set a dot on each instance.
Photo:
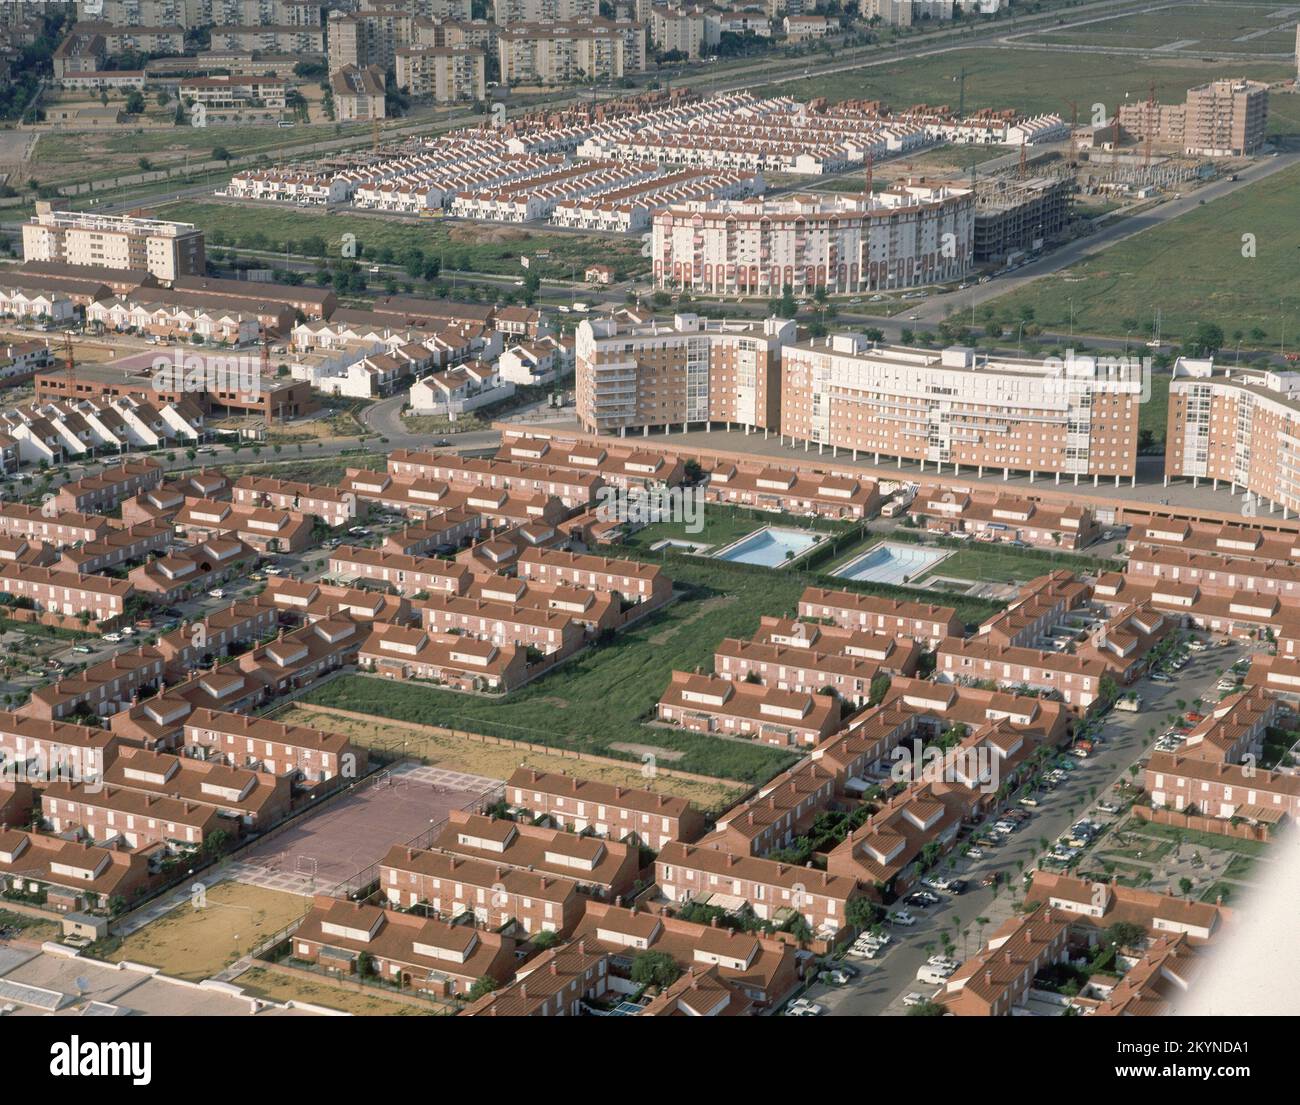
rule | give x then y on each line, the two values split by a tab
770	546
891	563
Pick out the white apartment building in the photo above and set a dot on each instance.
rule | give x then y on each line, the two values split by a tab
506	12
906	236
963	410
165	249
443	73
559	53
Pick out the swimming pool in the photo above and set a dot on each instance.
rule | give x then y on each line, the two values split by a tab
770	546
891	563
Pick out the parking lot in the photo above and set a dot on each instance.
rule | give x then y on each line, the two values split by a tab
964	921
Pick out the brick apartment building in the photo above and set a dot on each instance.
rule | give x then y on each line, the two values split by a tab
635	372
606	809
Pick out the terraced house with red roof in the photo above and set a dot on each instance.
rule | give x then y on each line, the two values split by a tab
922	621
493	893
67	593
774	891
607	809
421	954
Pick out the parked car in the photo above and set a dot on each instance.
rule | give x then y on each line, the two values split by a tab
914	999
1032	803
217	593
1107	807
902	917
802	1007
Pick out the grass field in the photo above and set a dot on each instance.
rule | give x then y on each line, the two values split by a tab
1036	81
994	565
464	247
197	943
273	986
68	156
598	701
1191	269
327	470
1154	415
1231	28
494	761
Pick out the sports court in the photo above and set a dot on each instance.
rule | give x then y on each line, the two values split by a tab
323	850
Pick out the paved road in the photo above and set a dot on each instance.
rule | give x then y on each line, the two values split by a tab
1126	739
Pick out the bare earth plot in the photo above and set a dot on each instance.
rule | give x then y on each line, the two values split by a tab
500	761
195	943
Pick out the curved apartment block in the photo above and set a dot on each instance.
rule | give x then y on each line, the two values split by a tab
905	236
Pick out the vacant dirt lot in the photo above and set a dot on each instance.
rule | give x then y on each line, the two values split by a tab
197	943
495	761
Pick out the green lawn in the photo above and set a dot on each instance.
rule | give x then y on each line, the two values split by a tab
598	701
460	246
1035	81
1213	841
1191	269
601	698
1154	415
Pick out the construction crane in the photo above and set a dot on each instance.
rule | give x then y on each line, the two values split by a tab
266	378
69	366
1074	128
1021	169
1150	126
871	168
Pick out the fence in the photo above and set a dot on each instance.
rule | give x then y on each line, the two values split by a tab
1197	823
352	886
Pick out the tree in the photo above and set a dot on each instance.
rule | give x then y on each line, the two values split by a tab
134	102
1186	886
365	965
655	969
861	913
1206	341
879	688
484	984
926	1009
1124	934
220	153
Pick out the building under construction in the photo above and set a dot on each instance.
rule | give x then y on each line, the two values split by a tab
1012	214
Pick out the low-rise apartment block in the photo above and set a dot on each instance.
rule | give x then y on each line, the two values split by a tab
775	891
892	617
606	809
71	875
493	893
766	714
446	659
420	954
